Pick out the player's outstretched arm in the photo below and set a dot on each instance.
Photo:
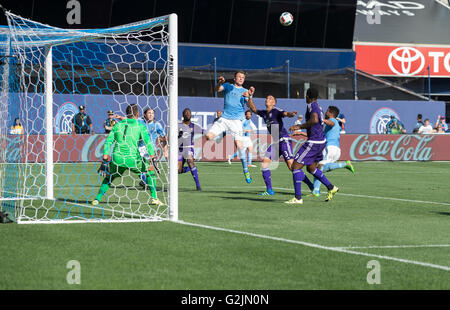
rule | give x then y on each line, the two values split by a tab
250	103
218	88
329	122
290	114
314	119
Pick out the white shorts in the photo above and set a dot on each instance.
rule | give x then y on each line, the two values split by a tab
234	126
331	154
247	142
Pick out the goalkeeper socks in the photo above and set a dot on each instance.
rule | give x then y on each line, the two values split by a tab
298	176
267	178
185	169
321	177
194	173
151	181
106	183
332	166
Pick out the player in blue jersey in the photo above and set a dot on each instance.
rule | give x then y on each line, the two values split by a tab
310	153
235	99
332	151
247	127
156	132
186	131
282	142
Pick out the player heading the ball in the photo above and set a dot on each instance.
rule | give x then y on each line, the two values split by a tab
236	96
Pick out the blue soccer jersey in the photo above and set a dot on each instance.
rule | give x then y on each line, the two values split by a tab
248	125
333	133
234	102
155	129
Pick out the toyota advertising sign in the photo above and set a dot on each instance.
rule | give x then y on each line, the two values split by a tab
403	60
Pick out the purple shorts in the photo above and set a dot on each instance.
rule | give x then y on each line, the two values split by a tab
284	149
185	153
310	153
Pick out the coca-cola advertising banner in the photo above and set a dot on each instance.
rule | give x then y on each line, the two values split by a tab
364	147
403	60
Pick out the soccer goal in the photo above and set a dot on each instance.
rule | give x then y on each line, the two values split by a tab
48	174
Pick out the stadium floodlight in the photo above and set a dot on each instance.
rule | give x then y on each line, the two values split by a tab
45	176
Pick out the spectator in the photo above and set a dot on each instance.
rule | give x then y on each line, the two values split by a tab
394	126
426	128
418	124
441	120
109	122
341	120
299	121
438	129
16	128
81	122
218	115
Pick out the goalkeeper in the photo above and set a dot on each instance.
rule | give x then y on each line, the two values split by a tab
125	155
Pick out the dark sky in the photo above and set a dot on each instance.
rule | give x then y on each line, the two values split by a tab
317	23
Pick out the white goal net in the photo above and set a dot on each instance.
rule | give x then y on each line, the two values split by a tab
57	86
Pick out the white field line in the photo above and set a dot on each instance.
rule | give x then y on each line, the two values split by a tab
379	197
318	246
343	194
394	246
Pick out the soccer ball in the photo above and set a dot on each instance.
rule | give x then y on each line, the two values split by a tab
286	19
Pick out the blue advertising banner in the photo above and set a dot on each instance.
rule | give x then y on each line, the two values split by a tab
362	116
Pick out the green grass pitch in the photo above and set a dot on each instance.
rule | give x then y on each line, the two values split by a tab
395	213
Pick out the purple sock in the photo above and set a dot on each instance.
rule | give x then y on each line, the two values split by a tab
185	169
308	182
318	174
195	176
298	176
267	178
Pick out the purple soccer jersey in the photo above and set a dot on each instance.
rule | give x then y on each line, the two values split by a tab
312	150
186	139
315	132
274	122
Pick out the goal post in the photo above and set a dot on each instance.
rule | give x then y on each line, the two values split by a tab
57	70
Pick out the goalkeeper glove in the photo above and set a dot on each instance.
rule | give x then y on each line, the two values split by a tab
104	169
155	165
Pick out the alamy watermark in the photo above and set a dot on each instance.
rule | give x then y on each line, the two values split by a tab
374	275
74	274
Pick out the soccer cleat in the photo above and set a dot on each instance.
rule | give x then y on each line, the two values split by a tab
95	202
251	166
294	201
199	188
248	178
268	192
349	166
229	160
156	201
331	193
314	194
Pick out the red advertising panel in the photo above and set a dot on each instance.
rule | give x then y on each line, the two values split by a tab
364	147
403	60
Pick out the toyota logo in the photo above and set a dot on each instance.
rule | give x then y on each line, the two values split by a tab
408	61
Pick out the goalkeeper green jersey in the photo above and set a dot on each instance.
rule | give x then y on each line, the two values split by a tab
127	134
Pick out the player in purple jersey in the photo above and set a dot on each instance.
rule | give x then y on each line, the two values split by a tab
186	131
311	152
282	142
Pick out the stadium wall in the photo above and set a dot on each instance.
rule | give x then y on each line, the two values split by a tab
362	116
